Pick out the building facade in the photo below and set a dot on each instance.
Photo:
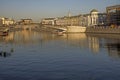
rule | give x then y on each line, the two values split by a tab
69	21
102	19
6	22
48	21
94	18
113	15
0	22
26	21
85	20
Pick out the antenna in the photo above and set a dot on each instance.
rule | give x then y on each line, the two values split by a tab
69	13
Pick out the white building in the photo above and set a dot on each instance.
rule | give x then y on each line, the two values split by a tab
7	21
94	17
48	21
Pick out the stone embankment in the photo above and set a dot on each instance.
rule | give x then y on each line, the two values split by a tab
103	30
78	29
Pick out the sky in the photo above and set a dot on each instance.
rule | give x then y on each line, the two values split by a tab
38	9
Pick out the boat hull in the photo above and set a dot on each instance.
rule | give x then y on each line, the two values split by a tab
3	33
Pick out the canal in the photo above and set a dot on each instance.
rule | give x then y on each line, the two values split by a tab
29	55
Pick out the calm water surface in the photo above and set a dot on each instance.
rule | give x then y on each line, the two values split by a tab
29	55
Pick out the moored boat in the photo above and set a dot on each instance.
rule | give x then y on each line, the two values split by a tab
3	33
60	33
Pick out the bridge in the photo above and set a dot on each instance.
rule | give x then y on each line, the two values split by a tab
27	27
59	28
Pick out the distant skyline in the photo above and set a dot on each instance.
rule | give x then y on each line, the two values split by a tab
38	9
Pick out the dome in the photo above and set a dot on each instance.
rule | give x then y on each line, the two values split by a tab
94	10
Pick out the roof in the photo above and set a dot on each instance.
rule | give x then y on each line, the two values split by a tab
113	7
26	19
48	18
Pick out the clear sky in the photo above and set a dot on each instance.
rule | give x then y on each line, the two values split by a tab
37	9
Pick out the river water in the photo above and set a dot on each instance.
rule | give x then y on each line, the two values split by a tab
29	55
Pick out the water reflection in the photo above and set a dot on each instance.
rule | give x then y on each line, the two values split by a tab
111	42
84	41
6	53
93	42
27	37
113	49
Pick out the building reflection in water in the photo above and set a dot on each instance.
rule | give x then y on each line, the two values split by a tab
22	37
26	37
82	40
94	44
110	42
113	49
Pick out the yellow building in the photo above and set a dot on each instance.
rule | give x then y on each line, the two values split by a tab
69	21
